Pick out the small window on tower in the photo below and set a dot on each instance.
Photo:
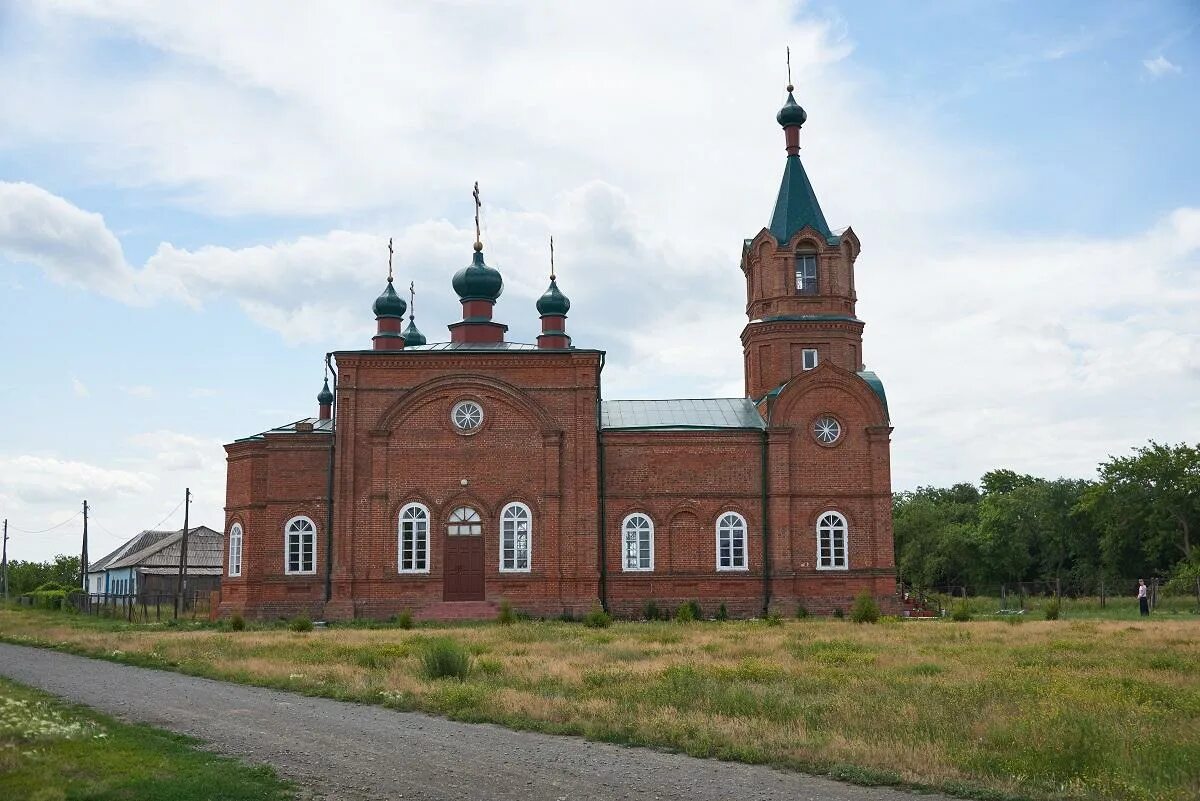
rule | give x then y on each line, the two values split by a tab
806	273
809	356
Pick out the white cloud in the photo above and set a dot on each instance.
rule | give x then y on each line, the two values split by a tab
1160	66
79	388
71	245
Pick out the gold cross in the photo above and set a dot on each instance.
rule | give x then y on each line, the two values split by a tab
389	259
551	257
412	299
789	65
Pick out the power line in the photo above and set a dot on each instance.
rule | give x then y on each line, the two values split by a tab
57	525
165	519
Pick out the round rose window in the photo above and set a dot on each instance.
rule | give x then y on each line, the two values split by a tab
467	416
827	430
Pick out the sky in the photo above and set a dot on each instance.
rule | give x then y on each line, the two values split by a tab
196	198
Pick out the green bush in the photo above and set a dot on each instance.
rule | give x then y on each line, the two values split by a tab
960	612
722	612
774	619
801	612
684	614
597	619
237	623
865	609
506	616
567	616
300	623
445	659
49	599
697	612
404	619
838	613
1052	609
651	611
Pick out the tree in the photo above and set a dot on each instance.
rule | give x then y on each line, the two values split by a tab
1151	500
25	577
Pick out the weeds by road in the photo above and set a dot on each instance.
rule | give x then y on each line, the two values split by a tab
1038	709
52	750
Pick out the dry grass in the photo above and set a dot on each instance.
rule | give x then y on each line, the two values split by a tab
1066	709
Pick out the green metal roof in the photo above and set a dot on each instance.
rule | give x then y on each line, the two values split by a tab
876	385
797	205
689	413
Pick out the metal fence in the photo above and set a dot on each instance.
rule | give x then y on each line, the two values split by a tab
142	607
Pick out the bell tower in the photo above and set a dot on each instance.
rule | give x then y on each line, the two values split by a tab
799	281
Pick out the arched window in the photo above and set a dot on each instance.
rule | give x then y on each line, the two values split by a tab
638	537
464	522
806	273
731	542
300	546
515	538
235	549
831	542
413	546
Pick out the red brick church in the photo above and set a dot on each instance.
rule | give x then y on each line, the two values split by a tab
442	478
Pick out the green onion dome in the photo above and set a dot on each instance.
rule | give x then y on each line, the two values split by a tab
791	113
325	397
389	304
478	281
553	301
412	336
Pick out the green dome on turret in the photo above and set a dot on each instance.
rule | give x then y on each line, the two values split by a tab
791	113
553	301
325	397
477	281
389	304
412	336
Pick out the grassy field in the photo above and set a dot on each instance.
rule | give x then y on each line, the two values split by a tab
50	750
1081	709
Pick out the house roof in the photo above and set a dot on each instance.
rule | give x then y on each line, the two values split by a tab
205	550
142	539
680	414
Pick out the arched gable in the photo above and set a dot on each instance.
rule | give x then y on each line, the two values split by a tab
396	414
825	375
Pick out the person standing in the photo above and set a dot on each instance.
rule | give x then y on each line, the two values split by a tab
1143	598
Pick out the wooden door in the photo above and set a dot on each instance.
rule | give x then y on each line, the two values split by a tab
462	578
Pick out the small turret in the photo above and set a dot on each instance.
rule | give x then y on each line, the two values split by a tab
553	306
478	286
325	401
412	337
389	314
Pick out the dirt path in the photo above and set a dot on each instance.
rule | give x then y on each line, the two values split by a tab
338	750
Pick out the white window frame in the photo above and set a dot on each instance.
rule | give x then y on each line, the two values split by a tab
647	533
816	358
731	531
510	518
236	533
301	534
838	526
420	535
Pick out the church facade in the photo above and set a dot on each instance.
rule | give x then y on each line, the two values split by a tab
443	478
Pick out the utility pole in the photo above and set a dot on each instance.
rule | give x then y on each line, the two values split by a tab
83	561
4	561
182	587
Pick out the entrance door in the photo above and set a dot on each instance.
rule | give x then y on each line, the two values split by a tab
463	576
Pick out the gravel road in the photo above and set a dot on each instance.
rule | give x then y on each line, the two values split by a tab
345	751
